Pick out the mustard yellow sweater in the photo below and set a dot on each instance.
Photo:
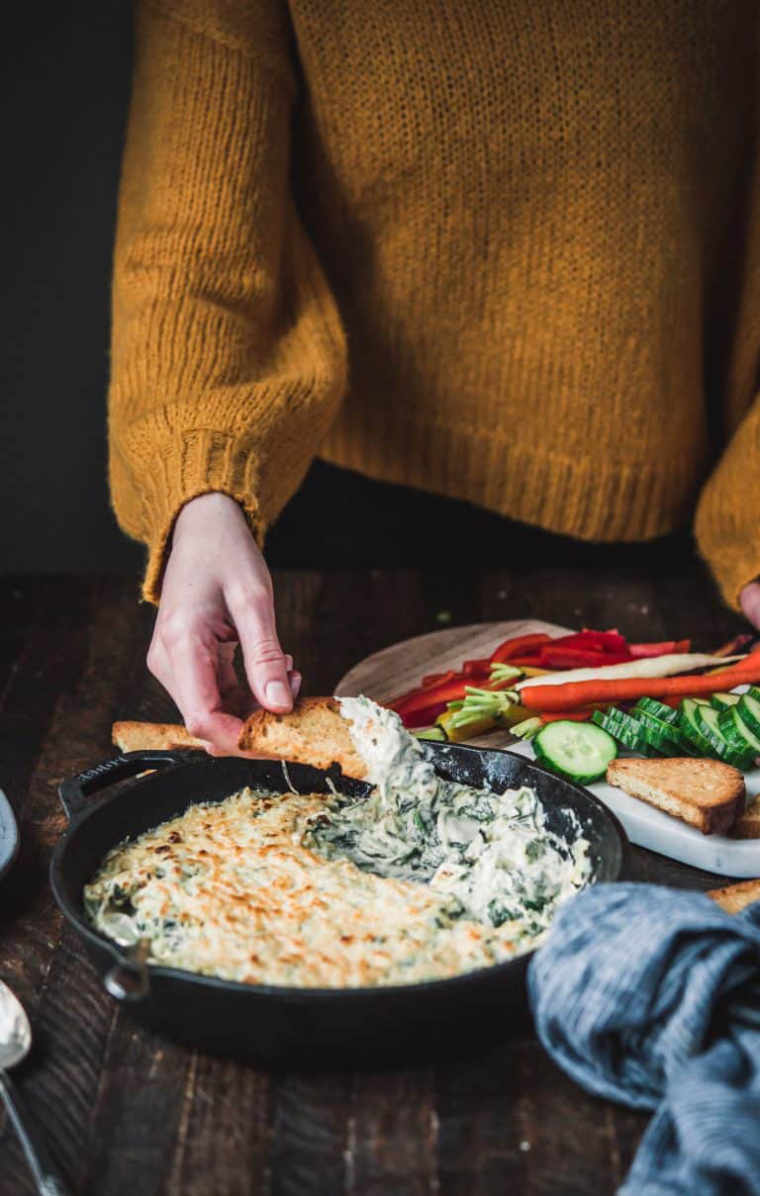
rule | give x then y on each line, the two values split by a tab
505	250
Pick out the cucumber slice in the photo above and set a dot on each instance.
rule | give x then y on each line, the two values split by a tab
623	727
724	701
666	714
733	723
664	737
707	721
736	733
578	751
749	709
690	728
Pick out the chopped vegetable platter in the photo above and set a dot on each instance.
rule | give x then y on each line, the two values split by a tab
396	672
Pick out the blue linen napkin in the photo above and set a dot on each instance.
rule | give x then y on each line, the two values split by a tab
650	996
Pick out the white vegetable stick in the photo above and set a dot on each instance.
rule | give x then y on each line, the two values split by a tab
645	666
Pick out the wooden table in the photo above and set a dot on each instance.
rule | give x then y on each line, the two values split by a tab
129	1113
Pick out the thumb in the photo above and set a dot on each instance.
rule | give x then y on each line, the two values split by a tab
749	600
266	666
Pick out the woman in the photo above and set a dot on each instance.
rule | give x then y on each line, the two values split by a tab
505	250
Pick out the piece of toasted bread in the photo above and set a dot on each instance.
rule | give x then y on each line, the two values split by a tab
137	737
705	793
734	897
313	733
748	824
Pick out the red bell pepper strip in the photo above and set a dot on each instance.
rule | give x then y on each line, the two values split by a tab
561	657
437	678
424	716
521	645
596	641
524	662
419	699
476	668
664	648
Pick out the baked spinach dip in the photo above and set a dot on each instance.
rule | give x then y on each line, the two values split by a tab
424	878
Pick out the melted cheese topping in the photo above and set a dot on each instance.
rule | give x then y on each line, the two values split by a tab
229	890
422	879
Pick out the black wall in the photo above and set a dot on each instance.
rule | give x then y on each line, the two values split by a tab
65	85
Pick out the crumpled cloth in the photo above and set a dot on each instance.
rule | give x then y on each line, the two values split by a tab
650	996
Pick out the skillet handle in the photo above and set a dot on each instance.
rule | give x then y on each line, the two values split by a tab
75	792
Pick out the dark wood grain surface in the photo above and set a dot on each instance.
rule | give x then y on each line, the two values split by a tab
129	1113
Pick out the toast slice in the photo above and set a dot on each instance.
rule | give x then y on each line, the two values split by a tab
161	737
705	793
313	733
748	823
735	897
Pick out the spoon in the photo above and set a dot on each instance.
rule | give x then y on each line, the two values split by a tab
15	1041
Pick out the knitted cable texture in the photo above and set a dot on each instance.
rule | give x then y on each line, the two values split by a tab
532	230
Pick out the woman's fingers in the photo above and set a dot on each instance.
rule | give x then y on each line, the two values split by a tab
266	665
216	591
186	662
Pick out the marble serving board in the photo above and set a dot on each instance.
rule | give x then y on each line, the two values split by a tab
398	668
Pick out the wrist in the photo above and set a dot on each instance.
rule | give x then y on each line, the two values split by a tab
206	509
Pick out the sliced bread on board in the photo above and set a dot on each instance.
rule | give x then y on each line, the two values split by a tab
735	897
748	824
707	794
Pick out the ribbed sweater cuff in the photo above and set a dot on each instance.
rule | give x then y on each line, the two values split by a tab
197	463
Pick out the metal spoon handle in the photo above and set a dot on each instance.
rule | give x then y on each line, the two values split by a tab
41	1165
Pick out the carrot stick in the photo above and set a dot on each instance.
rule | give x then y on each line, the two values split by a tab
547	698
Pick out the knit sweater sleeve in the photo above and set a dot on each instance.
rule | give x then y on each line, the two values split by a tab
228	359
728	514
727	523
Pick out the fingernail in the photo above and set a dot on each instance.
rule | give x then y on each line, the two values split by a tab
295	684
277	693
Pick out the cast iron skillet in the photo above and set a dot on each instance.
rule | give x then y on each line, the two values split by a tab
304	1026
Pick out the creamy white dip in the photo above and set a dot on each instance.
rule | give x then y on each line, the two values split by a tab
491	853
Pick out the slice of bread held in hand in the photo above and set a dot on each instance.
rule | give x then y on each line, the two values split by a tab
313	733
156	737
707	794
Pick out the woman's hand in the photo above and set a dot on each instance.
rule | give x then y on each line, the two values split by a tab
216	592
750	602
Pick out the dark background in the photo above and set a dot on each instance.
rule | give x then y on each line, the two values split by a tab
65	88
65	91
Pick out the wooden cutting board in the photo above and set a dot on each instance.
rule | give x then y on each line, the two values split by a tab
385	675
396	669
